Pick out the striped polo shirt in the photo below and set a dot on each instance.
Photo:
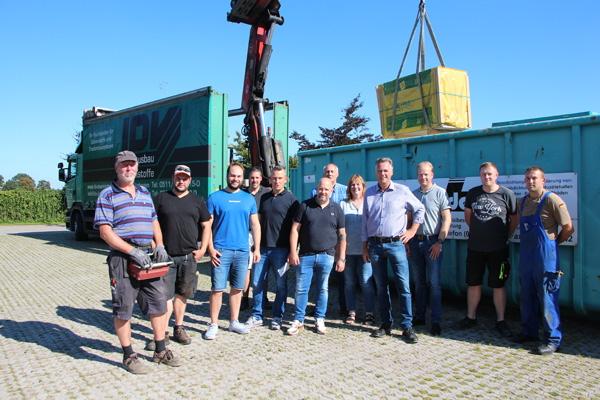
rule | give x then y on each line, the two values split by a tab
130	217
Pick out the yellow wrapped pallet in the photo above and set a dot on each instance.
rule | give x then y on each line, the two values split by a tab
446	97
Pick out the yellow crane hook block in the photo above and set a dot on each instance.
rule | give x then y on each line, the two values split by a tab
445	96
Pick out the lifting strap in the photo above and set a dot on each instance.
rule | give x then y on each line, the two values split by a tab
421	16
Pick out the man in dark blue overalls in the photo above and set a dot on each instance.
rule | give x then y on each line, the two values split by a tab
541	213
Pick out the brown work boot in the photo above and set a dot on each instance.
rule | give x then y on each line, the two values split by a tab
135	365
181	336
166	357
151	344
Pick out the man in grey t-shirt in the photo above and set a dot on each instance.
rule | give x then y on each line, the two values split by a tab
424	250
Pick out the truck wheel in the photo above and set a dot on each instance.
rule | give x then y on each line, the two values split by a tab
80	234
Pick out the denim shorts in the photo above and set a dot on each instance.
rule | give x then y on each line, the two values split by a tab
234	261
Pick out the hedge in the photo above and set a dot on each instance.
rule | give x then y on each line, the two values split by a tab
37	206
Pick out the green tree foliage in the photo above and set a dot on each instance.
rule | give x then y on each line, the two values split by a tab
10	185
241	151
1	182
352	131
293	161
43	185
26	184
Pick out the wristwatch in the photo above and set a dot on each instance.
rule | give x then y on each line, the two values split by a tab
342	260
440	241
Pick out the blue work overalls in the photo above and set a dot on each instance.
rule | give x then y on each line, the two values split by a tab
539	273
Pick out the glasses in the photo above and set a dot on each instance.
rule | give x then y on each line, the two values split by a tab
183	168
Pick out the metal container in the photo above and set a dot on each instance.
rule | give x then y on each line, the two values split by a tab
565	145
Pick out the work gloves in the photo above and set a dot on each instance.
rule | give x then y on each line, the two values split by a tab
160	254
140	258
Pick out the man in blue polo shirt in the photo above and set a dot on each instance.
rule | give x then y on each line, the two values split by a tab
384	234
320	226
233	214
127	221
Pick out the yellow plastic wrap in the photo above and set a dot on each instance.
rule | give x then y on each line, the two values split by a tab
446	97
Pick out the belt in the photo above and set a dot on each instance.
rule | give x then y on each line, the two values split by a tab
385	239
425	237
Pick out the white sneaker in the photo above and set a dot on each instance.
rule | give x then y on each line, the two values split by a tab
211	333
320	326
236	327
276	324
253	322
295	328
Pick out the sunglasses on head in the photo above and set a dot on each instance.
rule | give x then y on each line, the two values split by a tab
183	168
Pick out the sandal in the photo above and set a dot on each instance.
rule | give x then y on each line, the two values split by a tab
369	320
351	318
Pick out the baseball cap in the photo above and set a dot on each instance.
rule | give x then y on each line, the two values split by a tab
183	169
125	155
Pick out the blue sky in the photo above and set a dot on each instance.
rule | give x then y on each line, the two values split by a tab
525	59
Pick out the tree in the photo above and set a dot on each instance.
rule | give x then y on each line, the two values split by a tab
241	151
1	182
26	183
352	131
293	161
10	185
43	185
15	182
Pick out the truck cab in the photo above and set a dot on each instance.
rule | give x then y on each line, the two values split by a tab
76	219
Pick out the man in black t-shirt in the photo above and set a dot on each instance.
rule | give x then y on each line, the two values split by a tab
183	216
277	208
256	190
491	213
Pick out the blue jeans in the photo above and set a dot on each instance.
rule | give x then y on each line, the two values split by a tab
237	262
426	273
393	252
357	268
320	265
275	257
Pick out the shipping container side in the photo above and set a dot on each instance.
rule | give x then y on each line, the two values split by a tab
162	134
561	145
218	144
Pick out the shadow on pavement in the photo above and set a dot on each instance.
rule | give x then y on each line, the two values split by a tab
56	339
67	240
104	320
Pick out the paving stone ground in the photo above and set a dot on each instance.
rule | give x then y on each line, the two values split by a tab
57	341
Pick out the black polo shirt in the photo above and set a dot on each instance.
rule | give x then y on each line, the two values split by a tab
276	214
262	190
318	233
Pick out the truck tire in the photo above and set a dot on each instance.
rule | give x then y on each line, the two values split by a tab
79	228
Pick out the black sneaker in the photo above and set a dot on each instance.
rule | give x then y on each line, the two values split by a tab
410	336
503	329
436	329
382	331
135	365
181	336
546	349
465	323
418	322
166	357
523	338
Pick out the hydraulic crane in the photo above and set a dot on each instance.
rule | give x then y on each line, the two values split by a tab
262	16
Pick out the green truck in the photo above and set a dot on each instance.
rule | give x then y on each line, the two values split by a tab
190	129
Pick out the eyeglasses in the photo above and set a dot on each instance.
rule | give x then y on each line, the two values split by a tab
183	168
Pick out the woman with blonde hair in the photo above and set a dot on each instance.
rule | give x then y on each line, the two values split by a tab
355	265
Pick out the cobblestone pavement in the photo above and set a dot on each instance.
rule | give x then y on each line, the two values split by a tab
57	341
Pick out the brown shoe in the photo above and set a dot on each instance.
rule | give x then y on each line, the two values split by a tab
135	365
181	336
351	318
166	357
